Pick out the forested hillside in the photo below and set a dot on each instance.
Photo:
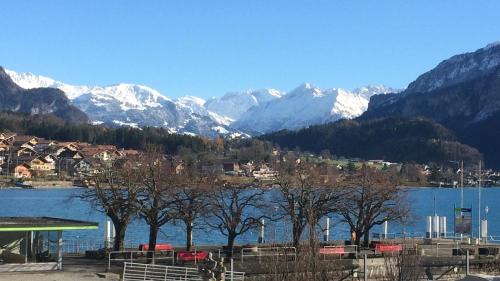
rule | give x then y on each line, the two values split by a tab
54	128
392	139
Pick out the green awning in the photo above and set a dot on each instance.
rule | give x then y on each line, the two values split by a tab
15	224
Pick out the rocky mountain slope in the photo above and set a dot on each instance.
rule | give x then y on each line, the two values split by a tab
37	100
461	93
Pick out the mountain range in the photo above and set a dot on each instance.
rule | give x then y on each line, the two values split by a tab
461	93
241	113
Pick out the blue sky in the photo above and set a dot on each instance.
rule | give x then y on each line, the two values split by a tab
207	48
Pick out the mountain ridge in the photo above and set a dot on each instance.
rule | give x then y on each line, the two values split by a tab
125	104
37	101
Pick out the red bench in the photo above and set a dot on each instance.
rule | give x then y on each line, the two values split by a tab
388	248
332	251
159	247
185	256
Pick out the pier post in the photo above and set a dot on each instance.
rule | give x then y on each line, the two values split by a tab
365	268
442	226
262	230
386	226
484	231
428	231
232	269
326	231
467	259
436	226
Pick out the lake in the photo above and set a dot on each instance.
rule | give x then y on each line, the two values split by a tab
61	203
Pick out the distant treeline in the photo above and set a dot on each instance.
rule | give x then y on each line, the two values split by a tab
392	139
54	128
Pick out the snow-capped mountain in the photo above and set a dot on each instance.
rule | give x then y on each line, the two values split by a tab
307	105
234	114
234	104
136	106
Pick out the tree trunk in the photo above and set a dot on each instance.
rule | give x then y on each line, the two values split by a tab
358	238
366	238
189	236
120	236
153	235
231	237
297	233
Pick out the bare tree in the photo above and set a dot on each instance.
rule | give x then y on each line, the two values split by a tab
373	198
190	204
306	193
155	199
115	194
235	210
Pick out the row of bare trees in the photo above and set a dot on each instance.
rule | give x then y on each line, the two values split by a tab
154	189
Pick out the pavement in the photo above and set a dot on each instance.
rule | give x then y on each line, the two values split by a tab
481	277
74	269
58	276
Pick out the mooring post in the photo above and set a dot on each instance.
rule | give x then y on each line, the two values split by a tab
232	269
467	260
365	268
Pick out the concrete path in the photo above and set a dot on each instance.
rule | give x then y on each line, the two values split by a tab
57	276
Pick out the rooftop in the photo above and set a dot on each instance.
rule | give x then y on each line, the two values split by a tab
9	224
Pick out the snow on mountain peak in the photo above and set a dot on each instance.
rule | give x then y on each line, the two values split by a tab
235	113
235	104
307	105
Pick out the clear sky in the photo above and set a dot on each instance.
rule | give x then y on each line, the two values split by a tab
206	48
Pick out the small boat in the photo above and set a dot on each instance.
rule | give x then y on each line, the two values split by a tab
24	184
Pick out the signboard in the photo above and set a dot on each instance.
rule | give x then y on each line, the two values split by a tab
463	221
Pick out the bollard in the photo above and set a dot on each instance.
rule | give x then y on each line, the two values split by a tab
484	231
436	226
442	226
386	225
262	229
428	231
326	231
232	269
467	263
365	268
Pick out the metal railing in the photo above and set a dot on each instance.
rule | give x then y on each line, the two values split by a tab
151	272
437	249
80	246
259	252
131	256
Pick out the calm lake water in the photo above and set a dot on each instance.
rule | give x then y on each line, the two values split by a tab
61	203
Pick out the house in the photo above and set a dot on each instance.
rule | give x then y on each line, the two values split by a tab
26	151
44	164
87	167
101	152
231	167
6	141
22	171
248	168
25	141
264	173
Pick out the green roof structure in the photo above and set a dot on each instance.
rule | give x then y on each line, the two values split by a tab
11	224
